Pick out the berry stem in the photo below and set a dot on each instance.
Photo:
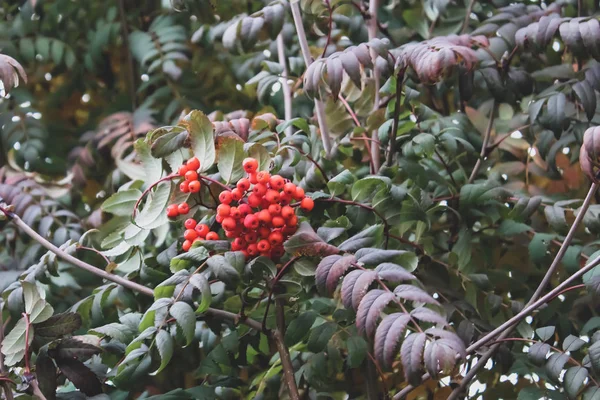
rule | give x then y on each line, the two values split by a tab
137	203
216	182
273	284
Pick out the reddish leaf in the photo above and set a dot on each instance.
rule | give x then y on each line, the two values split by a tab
411	354
306	242
368	312
413	293
387	337
427	315
323	271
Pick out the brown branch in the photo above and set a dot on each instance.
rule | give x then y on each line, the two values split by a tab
397	107
467	17
284	354
486	139
287	93
372	32
137	203
273	284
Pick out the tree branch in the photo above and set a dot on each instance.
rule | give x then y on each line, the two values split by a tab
287	92
284	354
372	31
486	139
319	106
397	107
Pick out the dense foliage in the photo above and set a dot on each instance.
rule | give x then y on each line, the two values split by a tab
309	199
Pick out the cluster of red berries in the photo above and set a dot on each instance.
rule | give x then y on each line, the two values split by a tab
257	214
191	184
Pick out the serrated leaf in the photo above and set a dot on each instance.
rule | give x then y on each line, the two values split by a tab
357	351
413	293
411	354
299	327
80	375
164	344
573	380
387	337
369	310
306	242
427	315
365	238
201	136
231	154
152	166
186	319
572	343
320	336
337	184
13	345
154	212
122	202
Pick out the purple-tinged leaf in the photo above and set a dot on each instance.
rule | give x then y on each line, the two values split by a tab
439	357
572	343
393	273
367	316
555	365
427	315
411	354
335	74
373	256
351	66
573	381
80	375
452	338
538	352
348	286
387	337
413	293
365	305
306	242
338	269
323	271
361	286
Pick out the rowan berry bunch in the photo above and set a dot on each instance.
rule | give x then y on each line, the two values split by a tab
257	214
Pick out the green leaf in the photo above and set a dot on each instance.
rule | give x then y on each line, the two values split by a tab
57	326
357	351
545	333
200	282
186	319
226	267
337	184
260	154
117	331
122	202
196	254
509	227
13	345
320	335
35	304
538	247
152	166
366	187
299	327
164	344
201	135
306	242
169	141
154	212
365	238
231	155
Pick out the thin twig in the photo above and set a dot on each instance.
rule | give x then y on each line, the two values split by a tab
397	107
273	284
136	287
27	332
319	106
467	17
486	139
329	29
284	353
287	93
137	203
130	65
447	168
372	31
36	390
357	123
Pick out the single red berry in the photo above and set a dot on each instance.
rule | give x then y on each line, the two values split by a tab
186	245
278	222
307	204
264	216
232	234
191	176
285	199
172	211
197	239
292	221
244	209
289	189
223	209
184	186
193	164
250	237
239	243
235	213
263	245
252	178
276	182
289	230
264	203
212	236
264	232
252	249
299	195
263	177
243	184
190	223
237	194
235	246
225	197
275	209
254	200
272	196
183	208
251	222
194	186
250	165
228	224
287	212
202	230
259	189
219	218
275	238
190	234
182	170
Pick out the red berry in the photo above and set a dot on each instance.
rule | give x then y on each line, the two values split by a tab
278	222
245	253
244	210
194	186
219	218
212	236
263	177
275	238
235	246
272	196
183	208
285	199
235	213
250	165
289	230
263	245
307	204
299	195
190	234
264	232
191	176
252	178
264	216
237	194
186	245
225	197
276	182
259	189
182	170
172	211
190	223
289	189
250	237
251	222
243	184
193	164
223	209
292	221
287	212
202	230
275	209
184	186
232	234
254	200
228	224
252	249
239	243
